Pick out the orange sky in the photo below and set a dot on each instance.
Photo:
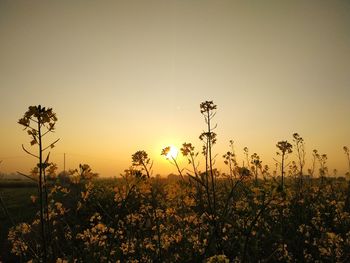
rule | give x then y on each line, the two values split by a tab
129	75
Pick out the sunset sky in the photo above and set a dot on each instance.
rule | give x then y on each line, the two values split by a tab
129	75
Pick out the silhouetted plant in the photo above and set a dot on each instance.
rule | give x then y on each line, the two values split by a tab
38	122
172	159
140	158
208	110
335	172
256	165
246	154
293	170
244	172
311	171
189	152
265	172
141	218
231	162
82	175
299	146
347	199
322	159
285	148
347	153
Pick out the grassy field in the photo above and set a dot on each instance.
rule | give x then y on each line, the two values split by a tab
16	198
149	219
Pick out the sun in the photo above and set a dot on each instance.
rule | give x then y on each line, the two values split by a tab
173	152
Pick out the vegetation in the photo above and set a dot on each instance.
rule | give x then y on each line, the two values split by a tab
245	215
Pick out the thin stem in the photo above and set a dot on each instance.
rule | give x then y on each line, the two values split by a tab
27	176
282	170
50	146
177	167
42	220
211	163
28	152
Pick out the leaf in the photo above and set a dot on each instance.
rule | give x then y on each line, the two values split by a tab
24	122
33	142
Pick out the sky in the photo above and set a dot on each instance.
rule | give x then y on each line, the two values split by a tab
124	76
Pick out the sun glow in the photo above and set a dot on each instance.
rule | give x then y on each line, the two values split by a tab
173	152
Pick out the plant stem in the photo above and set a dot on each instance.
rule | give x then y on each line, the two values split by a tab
42	220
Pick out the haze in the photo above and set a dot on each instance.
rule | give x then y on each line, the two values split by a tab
129	75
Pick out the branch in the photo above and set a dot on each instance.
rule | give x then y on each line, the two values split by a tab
24	149
29	127
29	177
276	161
45	133
32	128
196	179
33	120
224	214
49	129
47	158
51	145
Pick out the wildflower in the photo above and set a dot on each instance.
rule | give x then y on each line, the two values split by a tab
186	149
60	260
140	158
218	259
33	198
165	151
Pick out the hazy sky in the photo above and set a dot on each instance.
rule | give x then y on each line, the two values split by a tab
129	75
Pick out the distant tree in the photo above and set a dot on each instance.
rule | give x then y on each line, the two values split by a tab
285	148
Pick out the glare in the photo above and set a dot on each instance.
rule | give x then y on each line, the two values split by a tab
173	152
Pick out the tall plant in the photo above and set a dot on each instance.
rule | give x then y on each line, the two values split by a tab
208	110
347	200
256	165
347	153
39	121
299	145
285	148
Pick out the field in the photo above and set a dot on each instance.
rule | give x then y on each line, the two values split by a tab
136	218
248	214
15	196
